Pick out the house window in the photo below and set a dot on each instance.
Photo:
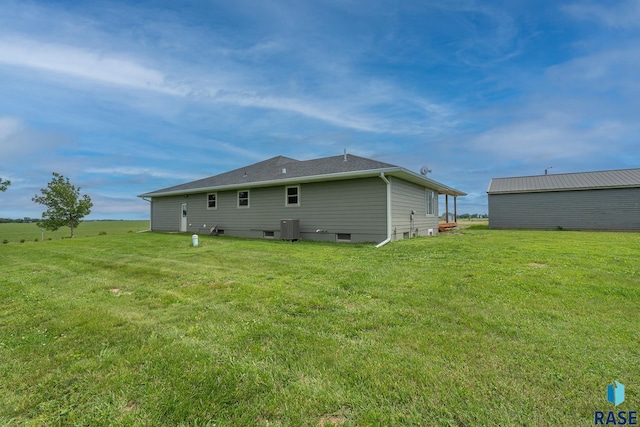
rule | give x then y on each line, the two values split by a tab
243	199
343	237
212	201
292	195
431	202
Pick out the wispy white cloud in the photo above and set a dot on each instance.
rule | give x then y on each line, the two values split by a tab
83	63
9	126
19	142
312	109
236	150
355	112
625	14
486	32
545	139
365	108
601	70
140	171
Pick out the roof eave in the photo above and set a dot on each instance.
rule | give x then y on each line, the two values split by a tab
407	175
274	182
392	171
551	190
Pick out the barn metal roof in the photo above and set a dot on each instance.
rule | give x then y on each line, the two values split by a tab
281	170
622	178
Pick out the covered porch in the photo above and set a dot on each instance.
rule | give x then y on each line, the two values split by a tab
450	220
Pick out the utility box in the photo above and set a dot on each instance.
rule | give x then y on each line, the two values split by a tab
290	229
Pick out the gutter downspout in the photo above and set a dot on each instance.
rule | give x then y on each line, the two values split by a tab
388	239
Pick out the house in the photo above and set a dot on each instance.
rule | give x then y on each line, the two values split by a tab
603	200
341	198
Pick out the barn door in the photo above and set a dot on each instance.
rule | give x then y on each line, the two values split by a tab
183	217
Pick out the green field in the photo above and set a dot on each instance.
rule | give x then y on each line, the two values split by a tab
29	232
471	328
477	222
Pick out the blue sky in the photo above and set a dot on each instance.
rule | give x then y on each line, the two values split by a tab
128	97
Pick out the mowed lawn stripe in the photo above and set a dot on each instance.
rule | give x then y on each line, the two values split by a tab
479	327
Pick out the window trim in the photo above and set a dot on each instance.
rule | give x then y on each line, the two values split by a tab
430	202
248	199
286	196
215	201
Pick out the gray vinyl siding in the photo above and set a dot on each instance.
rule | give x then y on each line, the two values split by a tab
356	207
604	209
165	213
407	197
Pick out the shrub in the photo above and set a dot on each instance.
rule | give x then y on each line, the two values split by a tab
36	239
102	233
5	241
21	240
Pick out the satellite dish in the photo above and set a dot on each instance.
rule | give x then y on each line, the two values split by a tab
424	170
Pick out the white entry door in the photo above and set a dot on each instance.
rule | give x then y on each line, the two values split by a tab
183	217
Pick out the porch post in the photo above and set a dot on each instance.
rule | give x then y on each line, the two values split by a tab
455	208
446	201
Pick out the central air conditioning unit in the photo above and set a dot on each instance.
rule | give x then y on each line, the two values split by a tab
290	229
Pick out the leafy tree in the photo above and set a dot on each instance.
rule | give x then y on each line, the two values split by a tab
64	205
4	184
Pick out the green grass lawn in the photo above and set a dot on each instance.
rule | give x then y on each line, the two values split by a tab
471	328
29	232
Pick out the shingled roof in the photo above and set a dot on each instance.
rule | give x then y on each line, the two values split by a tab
279	170
623	178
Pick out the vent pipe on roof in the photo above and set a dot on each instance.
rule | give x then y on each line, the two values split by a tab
345	154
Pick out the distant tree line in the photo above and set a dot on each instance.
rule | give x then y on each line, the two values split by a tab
25	220
472	216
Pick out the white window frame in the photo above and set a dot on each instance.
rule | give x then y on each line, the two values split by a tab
215	200
248	199
430	202
286	196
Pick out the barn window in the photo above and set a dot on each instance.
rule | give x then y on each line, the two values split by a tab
212	201
292	195
430	202
243	199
